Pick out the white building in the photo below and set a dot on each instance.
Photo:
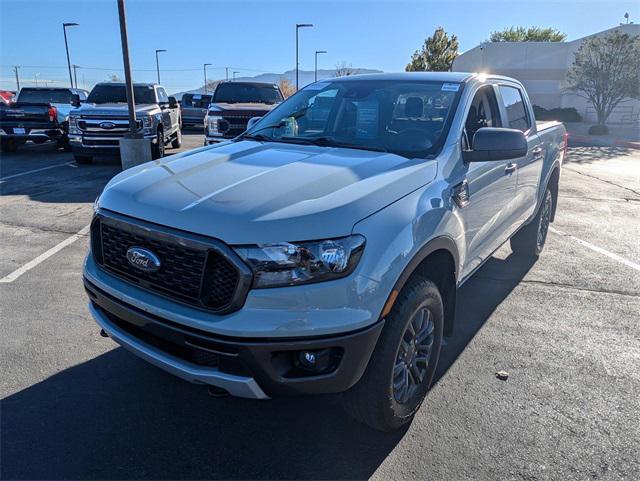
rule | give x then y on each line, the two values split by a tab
542	68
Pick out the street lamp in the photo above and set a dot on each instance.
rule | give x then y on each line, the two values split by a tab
75	74
234	75
157	63
298	27
66	46
315	69
204	68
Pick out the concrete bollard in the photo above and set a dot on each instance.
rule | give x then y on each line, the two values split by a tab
134	152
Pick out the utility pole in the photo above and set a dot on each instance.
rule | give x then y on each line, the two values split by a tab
158	64
134	148
205	76
315	69
75	74
226	73
298	27
66	46
15	69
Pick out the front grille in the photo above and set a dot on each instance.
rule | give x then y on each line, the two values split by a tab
194	273
234	125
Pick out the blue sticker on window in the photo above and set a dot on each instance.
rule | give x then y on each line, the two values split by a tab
450	87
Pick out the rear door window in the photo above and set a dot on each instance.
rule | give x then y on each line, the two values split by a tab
513	102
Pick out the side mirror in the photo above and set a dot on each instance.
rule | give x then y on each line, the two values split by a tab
75	100
173	103
492	143
252	122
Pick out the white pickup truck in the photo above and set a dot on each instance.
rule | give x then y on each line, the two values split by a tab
321	251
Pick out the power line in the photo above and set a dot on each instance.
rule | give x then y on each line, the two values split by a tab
140	69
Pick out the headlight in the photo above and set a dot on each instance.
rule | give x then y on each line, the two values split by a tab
288	264
73	125
147	121
213	124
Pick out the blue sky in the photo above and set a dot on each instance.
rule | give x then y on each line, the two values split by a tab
256	37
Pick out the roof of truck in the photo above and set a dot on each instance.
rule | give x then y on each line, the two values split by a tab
426	76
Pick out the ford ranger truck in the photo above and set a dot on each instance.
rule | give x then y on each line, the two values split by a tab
321	252
38	115
234	104
96	127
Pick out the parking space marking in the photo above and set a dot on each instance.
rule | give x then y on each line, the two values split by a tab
45	255
600	250
2	179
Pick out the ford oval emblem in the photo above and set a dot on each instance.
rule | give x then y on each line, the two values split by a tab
107	125
143	259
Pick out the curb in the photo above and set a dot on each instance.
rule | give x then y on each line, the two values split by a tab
602	142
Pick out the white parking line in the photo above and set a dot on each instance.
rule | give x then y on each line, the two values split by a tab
600	250
44	256
2	179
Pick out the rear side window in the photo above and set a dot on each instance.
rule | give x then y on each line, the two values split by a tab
163	98
517	117
56	96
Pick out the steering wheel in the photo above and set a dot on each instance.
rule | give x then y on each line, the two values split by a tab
417	135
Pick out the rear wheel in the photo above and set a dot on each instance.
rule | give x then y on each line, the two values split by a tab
83	159
404	361
157	151
176	143
8	145
529	241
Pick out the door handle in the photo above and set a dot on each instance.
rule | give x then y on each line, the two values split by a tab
510	168
537	151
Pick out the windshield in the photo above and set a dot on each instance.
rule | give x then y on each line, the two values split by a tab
236	92
409	118
107	94
196	100
58	96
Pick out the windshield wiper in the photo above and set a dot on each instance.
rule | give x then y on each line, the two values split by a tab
327	142
258	137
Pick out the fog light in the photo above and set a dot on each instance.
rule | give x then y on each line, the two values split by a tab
318	361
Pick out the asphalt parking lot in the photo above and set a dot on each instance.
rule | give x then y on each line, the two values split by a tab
566	329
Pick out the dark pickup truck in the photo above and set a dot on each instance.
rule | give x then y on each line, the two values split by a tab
234	104
38	115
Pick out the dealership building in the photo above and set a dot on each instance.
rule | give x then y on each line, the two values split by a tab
542	68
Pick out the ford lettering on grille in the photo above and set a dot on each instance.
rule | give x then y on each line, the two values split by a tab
107	125
143	259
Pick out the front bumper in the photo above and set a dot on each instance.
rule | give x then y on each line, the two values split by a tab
96	145
250	368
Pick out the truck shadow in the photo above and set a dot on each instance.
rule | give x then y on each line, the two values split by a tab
116	417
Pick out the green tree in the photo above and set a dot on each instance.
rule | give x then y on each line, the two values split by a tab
605	72
530	34
436	54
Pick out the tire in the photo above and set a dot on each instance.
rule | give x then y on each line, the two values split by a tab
157	150
176	143
529	241
63	144
378	399
83	159
8	145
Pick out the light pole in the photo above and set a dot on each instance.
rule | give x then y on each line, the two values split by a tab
158	63
75	74
226	73
66	46
15	69
204	68
234	75
315	69
298	27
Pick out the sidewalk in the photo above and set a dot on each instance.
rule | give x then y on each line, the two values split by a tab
619	135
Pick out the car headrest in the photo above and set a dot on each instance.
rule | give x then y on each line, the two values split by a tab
414	107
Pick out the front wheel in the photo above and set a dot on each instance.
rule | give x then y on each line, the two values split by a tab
176	143
157	150
404	361
529	241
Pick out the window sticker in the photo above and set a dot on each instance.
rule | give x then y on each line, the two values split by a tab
446	87
367	119
316	86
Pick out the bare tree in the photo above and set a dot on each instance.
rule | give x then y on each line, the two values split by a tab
286	87
605	71
344	70
114	78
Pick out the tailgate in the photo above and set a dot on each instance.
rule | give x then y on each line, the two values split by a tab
30	116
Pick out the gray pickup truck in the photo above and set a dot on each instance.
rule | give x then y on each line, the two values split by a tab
97	126
322	250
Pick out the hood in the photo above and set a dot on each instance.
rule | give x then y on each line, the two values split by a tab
112	109
248	192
